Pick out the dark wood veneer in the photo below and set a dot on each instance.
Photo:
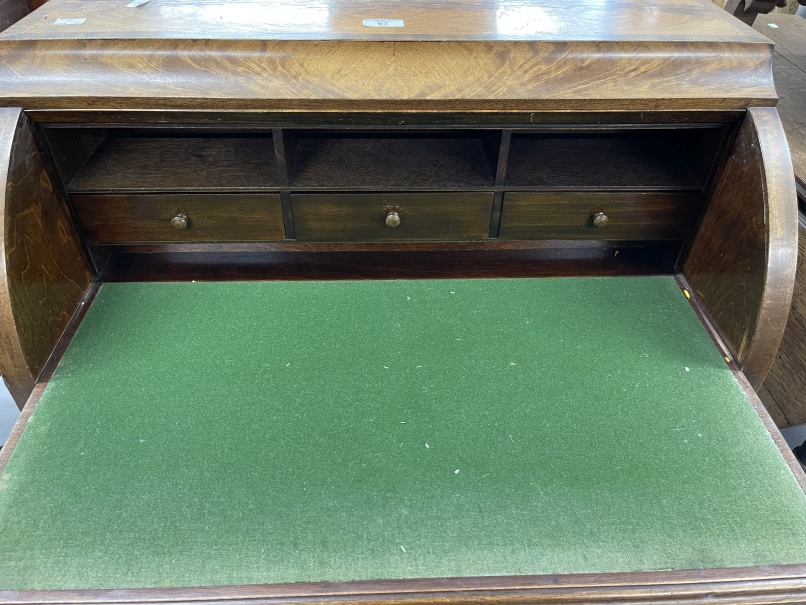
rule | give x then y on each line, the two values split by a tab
784	388
410	260
740	586
360	217
45	271
639	216
742	262
189	163
126	218
649	159
393	161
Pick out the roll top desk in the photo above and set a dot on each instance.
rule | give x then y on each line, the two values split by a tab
414	302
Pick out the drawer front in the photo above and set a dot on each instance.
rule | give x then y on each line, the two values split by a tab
370	217
117	219
625	216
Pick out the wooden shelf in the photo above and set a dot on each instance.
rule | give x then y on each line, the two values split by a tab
390	162
176	164
655	160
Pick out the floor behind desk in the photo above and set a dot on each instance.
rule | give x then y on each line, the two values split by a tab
390	429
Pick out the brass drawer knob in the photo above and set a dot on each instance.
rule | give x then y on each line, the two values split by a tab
392	219
180	221
600	220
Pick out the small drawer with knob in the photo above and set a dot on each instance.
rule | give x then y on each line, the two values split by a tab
380	217
582	215
121	218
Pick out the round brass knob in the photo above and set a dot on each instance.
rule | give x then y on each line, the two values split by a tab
392	219
180	221
600	220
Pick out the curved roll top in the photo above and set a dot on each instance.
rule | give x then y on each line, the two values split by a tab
44	271
742	263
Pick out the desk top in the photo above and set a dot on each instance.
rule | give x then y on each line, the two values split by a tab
257	54
444	20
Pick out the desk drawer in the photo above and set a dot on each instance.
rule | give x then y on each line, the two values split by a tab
625	216
115	219
392	216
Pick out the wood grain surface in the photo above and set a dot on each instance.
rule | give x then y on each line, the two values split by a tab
644	159
495	55
789	67
784	389
388	260
45	271
70	148
393	161
360	217
789	36
433	20
738	586
184	163
345	114
121	218
337	75
559	215
742	262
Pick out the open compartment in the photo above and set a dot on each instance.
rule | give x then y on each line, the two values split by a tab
171	161
407	160
657	159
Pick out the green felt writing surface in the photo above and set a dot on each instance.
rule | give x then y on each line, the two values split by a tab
243	433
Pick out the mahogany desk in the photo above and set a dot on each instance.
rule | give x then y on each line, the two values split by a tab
483	289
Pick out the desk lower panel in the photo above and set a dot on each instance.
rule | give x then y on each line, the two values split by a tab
244	433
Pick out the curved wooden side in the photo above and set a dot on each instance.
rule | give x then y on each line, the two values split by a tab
44	271
741	265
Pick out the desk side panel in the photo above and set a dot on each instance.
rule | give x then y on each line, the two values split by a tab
44	270
742	262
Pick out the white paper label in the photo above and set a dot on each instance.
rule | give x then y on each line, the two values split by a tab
68	21
383	22
772	25
136	3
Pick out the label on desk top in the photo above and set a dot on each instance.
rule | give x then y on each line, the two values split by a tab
68	21
383	22
136	3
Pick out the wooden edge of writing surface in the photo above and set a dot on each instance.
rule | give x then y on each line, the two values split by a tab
742	262
44	271
747	585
